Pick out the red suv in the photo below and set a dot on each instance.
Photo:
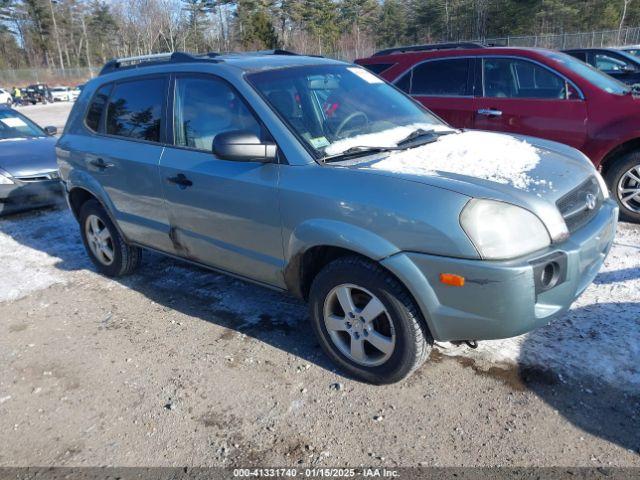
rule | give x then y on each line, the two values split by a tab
541	93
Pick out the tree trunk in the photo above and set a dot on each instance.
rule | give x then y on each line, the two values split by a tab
57	35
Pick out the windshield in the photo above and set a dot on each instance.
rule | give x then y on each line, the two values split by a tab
15	125
332	108
593	75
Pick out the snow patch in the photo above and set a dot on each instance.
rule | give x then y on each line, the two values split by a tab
36	249
490	156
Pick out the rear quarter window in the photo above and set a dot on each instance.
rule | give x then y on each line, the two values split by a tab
135	109
98	102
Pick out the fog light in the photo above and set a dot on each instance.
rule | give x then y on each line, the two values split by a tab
550	275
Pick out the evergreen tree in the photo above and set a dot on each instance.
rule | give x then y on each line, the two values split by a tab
392	24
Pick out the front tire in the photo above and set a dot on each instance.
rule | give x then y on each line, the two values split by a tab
366	321
105	246
623	180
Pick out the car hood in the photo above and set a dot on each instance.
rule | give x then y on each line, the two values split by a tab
28	156
524	171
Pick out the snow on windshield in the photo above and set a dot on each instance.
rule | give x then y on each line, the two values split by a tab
490	156
386	138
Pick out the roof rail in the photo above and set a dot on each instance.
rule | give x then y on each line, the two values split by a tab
276	51
155	59
434	46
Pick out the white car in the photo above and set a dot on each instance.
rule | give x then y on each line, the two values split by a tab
61	94
5	97
75	93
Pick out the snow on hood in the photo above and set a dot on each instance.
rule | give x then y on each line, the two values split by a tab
386	138
490	156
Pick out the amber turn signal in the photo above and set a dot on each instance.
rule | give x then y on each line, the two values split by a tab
452	279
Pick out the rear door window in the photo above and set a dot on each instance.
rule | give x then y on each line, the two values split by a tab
515	78
135	109
94	113
448	77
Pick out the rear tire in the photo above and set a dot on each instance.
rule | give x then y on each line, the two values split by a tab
623	180
105	246
380	336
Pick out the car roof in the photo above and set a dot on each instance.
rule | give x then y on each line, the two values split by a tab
246	61
454	51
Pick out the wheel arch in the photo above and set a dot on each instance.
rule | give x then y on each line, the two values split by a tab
316	242
618	152
78	196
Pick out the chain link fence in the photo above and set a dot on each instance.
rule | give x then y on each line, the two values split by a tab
604	38
51	76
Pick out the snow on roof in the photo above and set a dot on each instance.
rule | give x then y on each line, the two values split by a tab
490	156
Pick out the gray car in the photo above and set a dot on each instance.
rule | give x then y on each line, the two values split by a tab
28	169
316	177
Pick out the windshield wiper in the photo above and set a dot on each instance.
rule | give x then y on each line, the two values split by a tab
357	151
418	134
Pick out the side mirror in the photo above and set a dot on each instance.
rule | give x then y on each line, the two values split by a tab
51	131
243	146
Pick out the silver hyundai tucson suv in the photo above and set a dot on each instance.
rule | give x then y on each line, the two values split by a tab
316	177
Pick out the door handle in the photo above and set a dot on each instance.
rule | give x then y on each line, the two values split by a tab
100	163
490	112
181	180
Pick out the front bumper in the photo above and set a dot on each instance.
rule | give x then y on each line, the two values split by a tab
499	298
27	195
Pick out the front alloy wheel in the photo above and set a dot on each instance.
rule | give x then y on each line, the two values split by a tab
367	322
623	180
629	189
359	325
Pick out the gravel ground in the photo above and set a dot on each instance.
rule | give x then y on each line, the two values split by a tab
180	366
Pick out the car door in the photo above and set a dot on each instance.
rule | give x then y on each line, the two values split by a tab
444	86
525	97
222	213
124	153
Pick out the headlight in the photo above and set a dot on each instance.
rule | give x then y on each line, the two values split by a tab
500	230
5	179
603	186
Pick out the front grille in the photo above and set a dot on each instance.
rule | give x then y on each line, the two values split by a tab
42	177
580	205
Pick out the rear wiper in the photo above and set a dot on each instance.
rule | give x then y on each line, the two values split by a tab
421	132
357	151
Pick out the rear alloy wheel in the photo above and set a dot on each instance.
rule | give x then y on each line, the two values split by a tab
99	239
107	249
623	180
366	321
